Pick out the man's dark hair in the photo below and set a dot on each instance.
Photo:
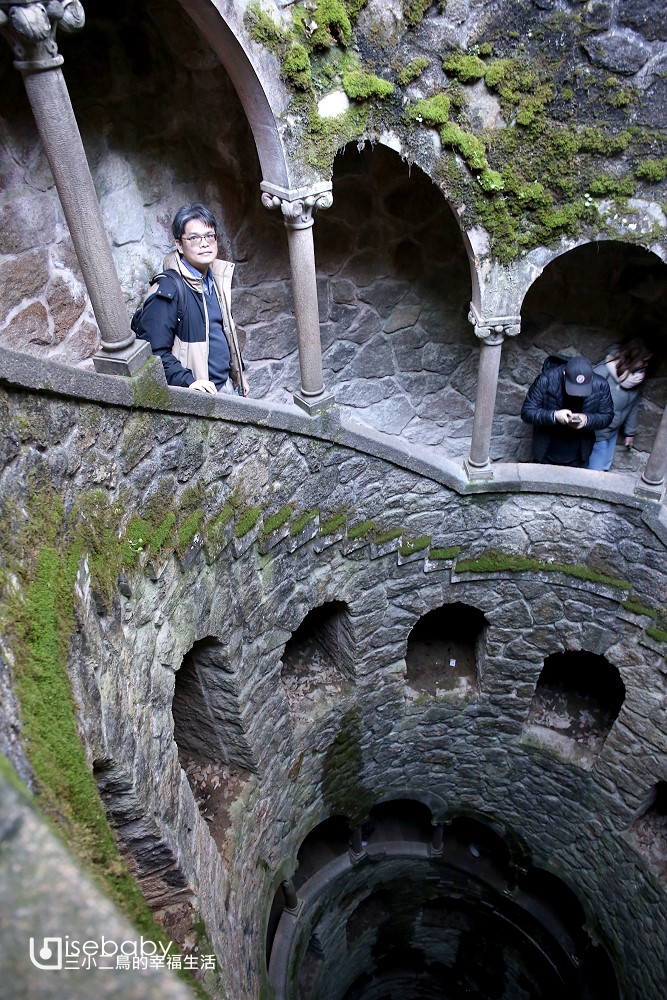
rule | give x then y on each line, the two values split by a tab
187	213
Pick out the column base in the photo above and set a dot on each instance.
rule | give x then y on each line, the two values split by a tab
650	491
355	857
294	911
124	362
314	404
478	473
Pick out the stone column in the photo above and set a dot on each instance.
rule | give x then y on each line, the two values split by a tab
652	482
437	840
297	208
491	332
292	902
30	28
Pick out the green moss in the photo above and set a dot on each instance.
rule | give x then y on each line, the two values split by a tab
366	86
637	608
594	140
660	634
342	789
466	68
300	522
498	71
382	537
444	553
333	523
161	500
354	8
188	530
325	136
414	69
216	530
414	10
295	68
162	537
135	540
531	112
149	390
93	529
263	29
277	520
360	530
193	498
609	186
469	146
494	561
490	180
431	111
45	624
652	171
246	521
327	25
411	545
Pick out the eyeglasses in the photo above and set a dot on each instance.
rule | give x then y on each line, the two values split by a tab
202	238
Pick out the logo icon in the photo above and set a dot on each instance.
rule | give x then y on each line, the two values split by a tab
580	379
50	955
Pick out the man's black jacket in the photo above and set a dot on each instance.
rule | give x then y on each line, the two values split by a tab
547	394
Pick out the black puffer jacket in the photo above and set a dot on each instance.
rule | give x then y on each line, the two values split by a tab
547	394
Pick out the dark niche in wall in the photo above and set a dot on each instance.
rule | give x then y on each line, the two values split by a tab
649	828
209	731
577	698
444	651
317	662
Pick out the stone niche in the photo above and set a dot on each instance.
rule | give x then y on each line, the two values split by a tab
445	650
577	698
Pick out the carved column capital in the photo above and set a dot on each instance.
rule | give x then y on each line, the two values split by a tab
297	205
492	330
30	29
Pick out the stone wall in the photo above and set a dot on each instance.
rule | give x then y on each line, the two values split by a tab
227	580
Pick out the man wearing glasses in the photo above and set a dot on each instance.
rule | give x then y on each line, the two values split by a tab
200	348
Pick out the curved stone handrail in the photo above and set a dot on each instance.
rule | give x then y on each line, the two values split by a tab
148	391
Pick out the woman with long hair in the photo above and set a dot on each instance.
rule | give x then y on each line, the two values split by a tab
625	369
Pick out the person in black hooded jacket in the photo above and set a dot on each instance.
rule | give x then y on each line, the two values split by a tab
566	404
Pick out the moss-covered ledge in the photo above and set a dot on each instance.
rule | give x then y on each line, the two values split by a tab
22	371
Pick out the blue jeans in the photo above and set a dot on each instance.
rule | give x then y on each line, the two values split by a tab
603	454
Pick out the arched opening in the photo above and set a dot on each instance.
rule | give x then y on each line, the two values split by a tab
395	290
399	819
549	898
577	698
326	841
478	840
317	662
209	731
584	302
649	829
444	652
